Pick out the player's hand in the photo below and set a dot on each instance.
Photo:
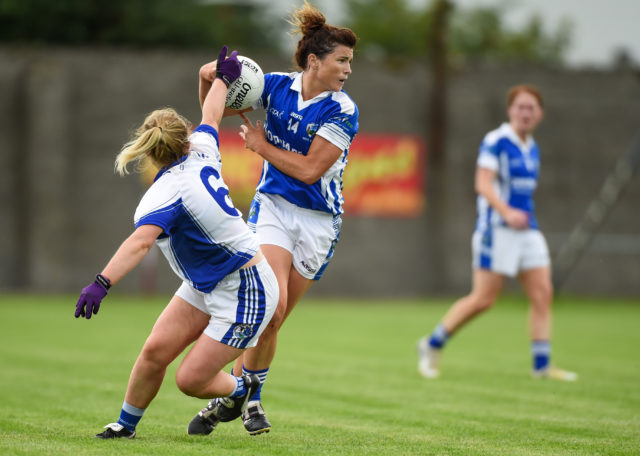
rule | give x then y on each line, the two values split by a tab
228	68
91	297
517	219
208	71
253	135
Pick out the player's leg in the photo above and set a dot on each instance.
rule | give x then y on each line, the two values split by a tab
535	277
292	287
260	356
241	308
314	237
177	326
495	253
254	417
200	373
484	292
538	286
486	286
297	287
539	289
257	361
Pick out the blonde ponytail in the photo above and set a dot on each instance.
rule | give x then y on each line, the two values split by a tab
162	138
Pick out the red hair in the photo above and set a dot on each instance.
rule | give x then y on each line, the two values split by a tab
524	88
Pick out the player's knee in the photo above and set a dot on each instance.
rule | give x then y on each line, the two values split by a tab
153	355
188	384
541	298
183	383
278	316
546	297
272	329
187	387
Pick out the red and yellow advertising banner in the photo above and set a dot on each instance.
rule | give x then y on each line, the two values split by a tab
384	176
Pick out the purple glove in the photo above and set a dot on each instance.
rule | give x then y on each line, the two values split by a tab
228	68
91	296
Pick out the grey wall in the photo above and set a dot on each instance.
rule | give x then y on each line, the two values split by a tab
65	114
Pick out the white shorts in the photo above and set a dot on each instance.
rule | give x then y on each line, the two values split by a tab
507	251
241	305
310	236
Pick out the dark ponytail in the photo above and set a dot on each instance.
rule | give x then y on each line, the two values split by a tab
318	37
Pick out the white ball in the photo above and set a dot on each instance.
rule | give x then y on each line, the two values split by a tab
246	90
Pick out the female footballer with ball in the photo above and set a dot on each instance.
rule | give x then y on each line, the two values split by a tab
229	292
310	123
507	241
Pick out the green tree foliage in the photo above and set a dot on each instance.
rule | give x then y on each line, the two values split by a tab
144	23
392	29
388	28
481	33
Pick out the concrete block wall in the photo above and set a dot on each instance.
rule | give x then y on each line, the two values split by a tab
65	113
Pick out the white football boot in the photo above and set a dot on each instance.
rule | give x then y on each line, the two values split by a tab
555	373
428	359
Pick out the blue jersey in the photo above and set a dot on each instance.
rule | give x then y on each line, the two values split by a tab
204	237
517	165
291	124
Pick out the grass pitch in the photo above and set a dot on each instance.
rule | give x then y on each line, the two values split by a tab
344	382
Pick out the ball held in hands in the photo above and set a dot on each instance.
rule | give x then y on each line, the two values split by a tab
247	89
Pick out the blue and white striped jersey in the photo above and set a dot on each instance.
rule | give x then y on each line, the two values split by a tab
204	236
291	124
517	165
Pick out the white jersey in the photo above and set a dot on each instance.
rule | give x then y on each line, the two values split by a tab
291	124
204	237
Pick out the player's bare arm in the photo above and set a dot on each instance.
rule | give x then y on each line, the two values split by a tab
515	218
131	252
227	69
207	75
306	168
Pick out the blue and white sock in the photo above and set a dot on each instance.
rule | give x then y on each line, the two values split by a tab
240	388
541	353
262	374
439	337
130	416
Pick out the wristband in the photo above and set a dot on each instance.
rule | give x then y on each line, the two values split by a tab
102	280
224	79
